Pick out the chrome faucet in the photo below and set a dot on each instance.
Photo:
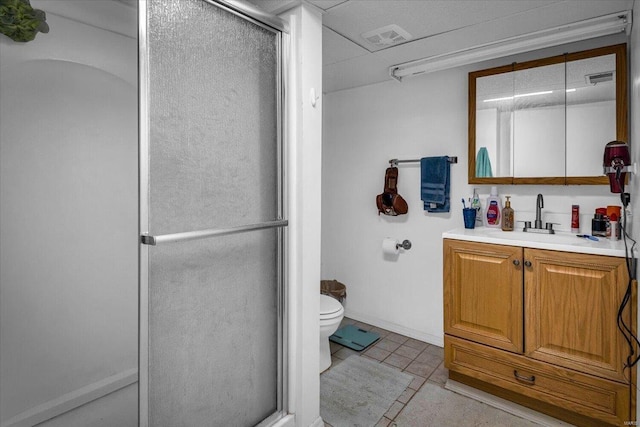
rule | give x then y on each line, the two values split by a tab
537	225
539	206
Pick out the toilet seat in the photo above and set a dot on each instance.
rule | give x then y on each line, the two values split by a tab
330	307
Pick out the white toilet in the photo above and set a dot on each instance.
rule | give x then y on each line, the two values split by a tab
331	314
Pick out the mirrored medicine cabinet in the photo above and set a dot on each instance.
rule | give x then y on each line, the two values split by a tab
547	121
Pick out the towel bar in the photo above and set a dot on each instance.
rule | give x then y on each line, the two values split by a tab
394	162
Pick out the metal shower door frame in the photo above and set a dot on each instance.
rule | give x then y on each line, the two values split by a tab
280	28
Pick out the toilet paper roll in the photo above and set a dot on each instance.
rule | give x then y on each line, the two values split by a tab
390	246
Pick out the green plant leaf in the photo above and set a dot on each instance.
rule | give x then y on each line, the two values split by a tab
20	22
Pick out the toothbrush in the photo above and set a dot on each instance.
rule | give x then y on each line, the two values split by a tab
587	236
464	205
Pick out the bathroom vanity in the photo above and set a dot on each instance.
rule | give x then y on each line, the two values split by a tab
534	319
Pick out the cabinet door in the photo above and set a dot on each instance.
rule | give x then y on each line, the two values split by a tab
571	308
483	293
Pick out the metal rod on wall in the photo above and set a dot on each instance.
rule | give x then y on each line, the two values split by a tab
393	162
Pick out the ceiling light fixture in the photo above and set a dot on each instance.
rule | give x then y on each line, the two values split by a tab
589	28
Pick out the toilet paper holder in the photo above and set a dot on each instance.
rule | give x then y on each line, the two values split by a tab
406	245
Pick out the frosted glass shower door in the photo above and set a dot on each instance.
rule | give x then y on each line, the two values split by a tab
212	217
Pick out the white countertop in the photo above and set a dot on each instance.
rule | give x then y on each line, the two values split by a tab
561	241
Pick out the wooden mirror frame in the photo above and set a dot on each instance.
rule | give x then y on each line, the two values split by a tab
622	111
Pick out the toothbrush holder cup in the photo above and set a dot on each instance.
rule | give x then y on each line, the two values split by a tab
469	215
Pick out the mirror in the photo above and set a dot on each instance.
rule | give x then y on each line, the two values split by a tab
547	121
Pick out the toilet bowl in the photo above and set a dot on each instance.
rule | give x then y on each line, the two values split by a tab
331	314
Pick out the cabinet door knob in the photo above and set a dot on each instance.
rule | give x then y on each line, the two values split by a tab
516	262
529	380
527	263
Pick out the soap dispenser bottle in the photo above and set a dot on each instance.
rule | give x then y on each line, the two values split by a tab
507	215
493	212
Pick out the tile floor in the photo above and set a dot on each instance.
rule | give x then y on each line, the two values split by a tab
423	361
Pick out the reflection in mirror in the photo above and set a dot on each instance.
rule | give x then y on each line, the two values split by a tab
494	103
591	99
547	121
69	219
538	121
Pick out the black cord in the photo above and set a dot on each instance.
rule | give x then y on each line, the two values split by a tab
627	332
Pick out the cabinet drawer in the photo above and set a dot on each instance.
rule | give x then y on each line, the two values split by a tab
593	397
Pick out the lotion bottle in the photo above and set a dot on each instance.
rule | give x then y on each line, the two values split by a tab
493	212
507	215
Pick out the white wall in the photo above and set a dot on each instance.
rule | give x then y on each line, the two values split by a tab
422	116
363	129
68	216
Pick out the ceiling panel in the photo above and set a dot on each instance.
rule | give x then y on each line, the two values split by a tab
437	27
326	4
344	74
336	49
419	18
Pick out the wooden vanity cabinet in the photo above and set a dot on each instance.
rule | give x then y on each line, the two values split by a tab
539	327
571	306
483	299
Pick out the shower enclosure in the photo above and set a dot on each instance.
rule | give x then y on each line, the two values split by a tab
69	219
212	215
143	216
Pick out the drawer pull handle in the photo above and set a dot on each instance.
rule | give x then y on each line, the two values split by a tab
529	380
527	263
516	262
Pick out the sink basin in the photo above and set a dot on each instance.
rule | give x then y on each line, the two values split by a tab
557	238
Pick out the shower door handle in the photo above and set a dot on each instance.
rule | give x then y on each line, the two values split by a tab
185	236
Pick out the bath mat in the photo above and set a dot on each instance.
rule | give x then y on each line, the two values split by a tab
354	337
358	391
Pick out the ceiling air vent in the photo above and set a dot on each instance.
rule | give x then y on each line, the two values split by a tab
387	36
596	78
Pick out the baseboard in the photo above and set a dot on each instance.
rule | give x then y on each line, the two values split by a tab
317	423
504	405
286	421
75	399
398	329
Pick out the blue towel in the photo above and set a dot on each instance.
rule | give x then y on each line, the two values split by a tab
434	183
483	164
